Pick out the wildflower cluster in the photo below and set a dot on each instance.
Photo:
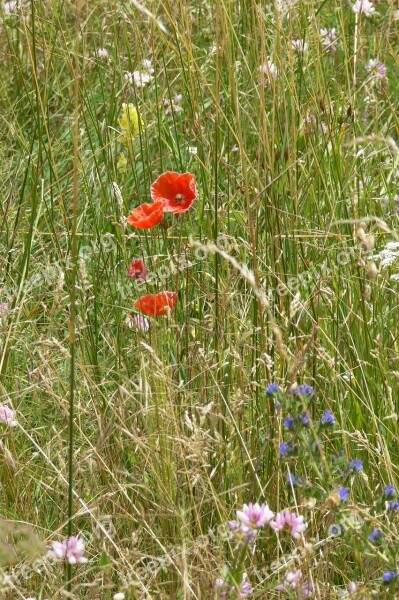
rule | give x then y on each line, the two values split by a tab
306	447
70	550
174	193
7	416
171	193
141	77
173	105
249	522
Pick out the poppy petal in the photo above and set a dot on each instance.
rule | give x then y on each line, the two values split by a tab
138	270
164	186
146	216
156	305
177	191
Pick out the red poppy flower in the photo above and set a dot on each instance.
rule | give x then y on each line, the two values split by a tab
146	215
138	270
156	305
176	191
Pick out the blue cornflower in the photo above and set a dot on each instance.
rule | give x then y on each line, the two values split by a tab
327	418
273	388
389	576
292	479
344	494
336	530
376	536
289	422
389	492
304	419
305	390
284	449
392	505
355	465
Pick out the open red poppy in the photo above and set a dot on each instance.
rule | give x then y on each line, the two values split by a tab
138	270
176	191
146	215
156	305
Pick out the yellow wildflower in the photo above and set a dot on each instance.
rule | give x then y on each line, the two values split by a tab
130	122
122	164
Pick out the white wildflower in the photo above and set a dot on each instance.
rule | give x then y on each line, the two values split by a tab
328	38
299	45
388	255
10	8
363	7
141	77
102	53
270	70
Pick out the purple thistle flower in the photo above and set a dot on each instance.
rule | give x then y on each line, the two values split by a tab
389	492
344	494
289	422
272	389
393	506
355	465
327	418
376	536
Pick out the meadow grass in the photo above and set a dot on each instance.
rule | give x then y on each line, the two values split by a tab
297	173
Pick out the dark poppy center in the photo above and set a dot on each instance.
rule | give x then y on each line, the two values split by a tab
179	198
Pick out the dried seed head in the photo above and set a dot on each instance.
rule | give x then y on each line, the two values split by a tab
372	270
367	292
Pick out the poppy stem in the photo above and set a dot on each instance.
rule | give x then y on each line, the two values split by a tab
72	310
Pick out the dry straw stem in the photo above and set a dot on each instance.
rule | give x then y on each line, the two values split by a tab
361	221
388	141
143	9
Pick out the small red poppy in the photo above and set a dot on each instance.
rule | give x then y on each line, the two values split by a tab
176	191
146	215
138	270
156	305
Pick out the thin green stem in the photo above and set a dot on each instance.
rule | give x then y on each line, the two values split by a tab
72	314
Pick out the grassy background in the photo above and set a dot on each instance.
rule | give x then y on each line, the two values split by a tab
172	427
